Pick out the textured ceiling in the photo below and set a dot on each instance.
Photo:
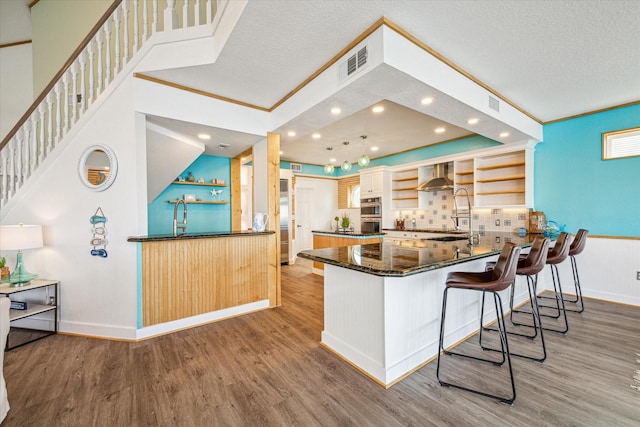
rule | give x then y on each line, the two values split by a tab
553	59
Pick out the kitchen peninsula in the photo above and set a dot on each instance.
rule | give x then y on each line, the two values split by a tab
211	275
382	302
335	239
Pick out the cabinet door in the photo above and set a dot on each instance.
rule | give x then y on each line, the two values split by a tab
371	184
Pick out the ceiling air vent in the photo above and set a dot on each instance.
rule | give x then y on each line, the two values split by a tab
494	104
353	63
223	146
296	167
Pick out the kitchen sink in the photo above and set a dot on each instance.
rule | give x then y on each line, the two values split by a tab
447	238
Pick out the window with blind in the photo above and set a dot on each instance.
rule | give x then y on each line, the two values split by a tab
620	144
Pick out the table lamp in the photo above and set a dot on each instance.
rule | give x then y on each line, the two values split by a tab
20	237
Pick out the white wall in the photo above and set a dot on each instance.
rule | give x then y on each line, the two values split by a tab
16	75
98	295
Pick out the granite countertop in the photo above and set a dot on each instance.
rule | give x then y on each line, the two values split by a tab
163	237
348	234
429	230
404	258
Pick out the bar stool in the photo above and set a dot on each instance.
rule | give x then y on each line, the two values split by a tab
494	280
529	266
577	246
557	255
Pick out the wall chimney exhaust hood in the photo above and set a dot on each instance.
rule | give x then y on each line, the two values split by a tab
439	180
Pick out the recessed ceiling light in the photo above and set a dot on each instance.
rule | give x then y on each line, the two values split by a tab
426	101
332	160
374	148
242	159
440	130
204	136
280	152
335	110
316	136
472	121
504	134
291	133
378	109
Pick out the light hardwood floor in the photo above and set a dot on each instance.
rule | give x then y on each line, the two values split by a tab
268	368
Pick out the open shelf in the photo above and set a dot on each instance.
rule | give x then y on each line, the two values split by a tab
205	184
30	311
202	202
502	178
412	188
405	198
501	166
465	182
408	178
465	173
493	193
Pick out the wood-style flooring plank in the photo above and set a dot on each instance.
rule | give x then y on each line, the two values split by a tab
267	368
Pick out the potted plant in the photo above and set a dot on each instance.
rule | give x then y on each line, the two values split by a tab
4	270
345	221
337	219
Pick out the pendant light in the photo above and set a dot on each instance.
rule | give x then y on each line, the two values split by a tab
364	160
346	165
329	168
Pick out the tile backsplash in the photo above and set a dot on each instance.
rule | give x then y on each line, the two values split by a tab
441	208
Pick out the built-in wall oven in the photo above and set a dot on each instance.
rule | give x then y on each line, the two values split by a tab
370	215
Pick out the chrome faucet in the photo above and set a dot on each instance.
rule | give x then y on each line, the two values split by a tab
182	227
456	216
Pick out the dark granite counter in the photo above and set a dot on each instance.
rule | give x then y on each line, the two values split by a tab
428	230
163	237
408	257
347	234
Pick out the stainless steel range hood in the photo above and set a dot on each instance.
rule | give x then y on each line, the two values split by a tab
439	180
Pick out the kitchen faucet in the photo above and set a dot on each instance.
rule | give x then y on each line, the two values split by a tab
456	216
182	227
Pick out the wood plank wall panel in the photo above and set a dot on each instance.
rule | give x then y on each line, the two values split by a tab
273	201
183	278
322	241
344	188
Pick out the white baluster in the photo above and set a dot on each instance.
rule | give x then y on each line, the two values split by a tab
81	92
92	69
26	132
107	52
136	31
154	28
65	103
41	140
73	99
19	177
99	43
170	16
4	160
145	21
185	14
209	11
125	32
33	149
58	107
116	43
49	100
196	14
12	167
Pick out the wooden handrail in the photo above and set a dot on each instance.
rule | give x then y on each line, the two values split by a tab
60	73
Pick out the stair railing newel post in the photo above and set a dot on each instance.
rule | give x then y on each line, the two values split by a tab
209	11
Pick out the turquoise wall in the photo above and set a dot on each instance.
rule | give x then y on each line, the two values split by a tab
574	186
200	218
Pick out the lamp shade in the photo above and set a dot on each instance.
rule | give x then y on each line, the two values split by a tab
19	237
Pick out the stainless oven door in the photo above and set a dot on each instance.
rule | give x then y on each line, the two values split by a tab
370	225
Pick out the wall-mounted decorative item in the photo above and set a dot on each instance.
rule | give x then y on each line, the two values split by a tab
215	193
189	197
98	167
99	234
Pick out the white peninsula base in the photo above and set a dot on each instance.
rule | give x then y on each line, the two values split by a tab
388	327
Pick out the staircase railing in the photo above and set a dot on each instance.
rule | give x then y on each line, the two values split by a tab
111	44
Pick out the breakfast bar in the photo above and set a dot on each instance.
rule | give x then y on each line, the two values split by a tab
382	301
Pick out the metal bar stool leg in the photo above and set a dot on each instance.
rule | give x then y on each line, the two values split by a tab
560	306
